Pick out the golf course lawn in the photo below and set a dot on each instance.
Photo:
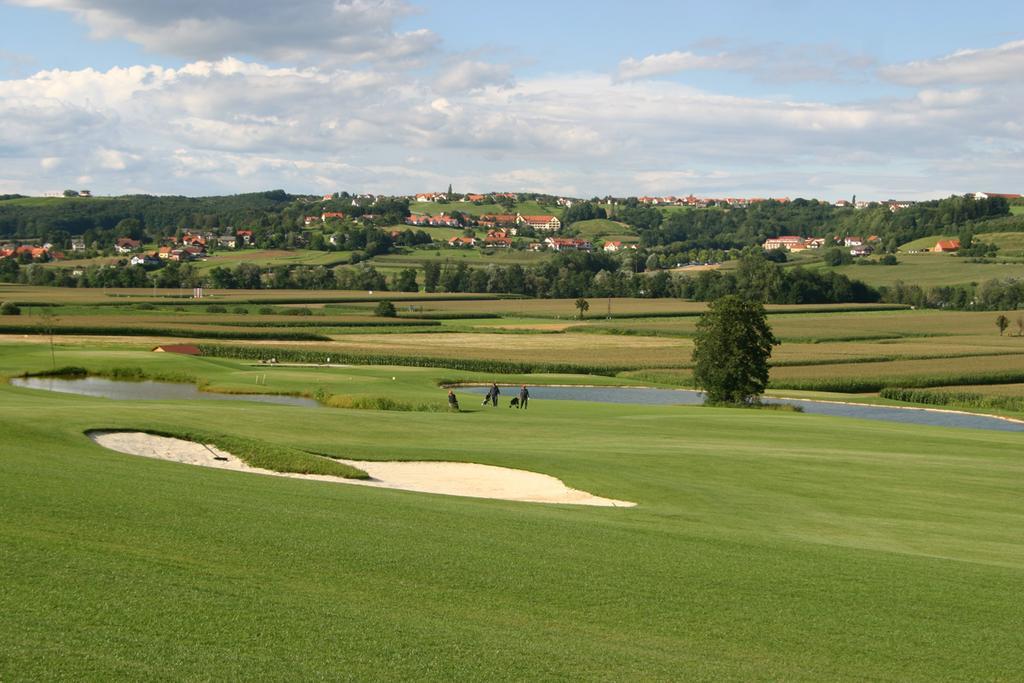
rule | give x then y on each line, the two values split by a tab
765	545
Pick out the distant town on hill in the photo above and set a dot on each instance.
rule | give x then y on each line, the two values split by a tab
501	242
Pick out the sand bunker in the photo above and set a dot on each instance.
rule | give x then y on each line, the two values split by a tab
450	478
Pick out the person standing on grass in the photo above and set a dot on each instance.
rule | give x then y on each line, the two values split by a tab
494	394
524	396
453	403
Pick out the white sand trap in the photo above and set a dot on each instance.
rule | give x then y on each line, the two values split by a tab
449	478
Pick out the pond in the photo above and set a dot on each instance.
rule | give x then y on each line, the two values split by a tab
148	391
645	396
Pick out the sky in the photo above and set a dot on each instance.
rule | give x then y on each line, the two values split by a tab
904	100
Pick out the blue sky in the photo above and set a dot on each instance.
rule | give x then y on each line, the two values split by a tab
904	100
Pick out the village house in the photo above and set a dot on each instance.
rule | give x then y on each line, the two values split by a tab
227	241
546	223
245	236
567	244
498	220
895	206
787	242
77	244
190	239
862	250
126	245
615	246
187	349
310	220
475	197
947	245
498	242
164	252
34	253
853	241
434	221
331	215
996	195
458	242
145	260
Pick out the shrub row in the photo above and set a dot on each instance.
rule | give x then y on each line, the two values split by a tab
287	335
856	385
384	403
962	399
322	322
448	315
288	355
129	374
771	311
392	296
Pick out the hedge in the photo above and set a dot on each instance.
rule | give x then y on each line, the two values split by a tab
288	355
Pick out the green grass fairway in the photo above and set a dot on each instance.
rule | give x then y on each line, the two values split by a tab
766	545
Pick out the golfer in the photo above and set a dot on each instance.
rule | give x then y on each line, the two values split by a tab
524	396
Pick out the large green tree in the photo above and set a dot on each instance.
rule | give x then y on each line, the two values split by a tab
731	351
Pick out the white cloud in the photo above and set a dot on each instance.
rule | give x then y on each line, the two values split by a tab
772	63
468	75
675	62
1004	63
231	125
327	29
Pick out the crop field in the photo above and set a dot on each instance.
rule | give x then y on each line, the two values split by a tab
273	257
933	270
183	297
1014	390
762	546
852	324
471	257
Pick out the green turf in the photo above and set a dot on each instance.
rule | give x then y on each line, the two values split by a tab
932	270
600	228
925	243
766	545
1009	243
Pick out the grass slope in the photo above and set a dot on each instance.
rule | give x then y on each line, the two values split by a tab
601	228
933	269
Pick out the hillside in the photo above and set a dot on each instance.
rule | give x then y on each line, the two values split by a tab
602	228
